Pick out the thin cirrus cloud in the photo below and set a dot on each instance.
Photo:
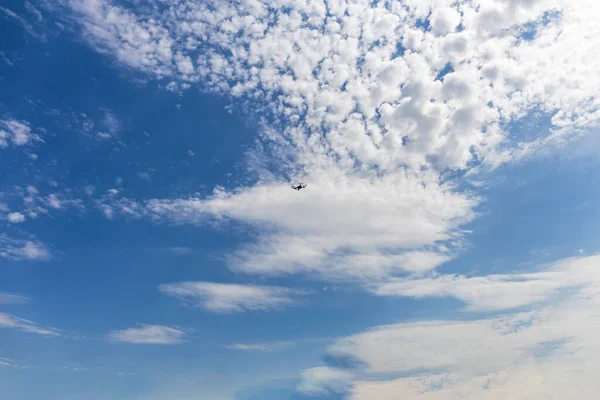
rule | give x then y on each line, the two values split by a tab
500	291
148	334
260	347
9	321
231	298
371	109
11	298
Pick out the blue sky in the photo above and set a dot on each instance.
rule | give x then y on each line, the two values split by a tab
151	247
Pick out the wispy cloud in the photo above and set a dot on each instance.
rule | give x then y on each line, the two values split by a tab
231	298
262	347
5	362
23	22
11	298
499	291
148	334
12	322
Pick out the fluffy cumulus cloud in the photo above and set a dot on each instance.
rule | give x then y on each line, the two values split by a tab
148	334
231	298
15	217
546	352
23	249
373	104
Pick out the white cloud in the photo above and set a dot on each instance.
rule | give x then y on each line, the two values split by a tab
270	50
12	322
444	20
15	217
263	347
231	298
544	353
348	228
321	381
10	298
368	127
17	133
23	249
148	334
500	291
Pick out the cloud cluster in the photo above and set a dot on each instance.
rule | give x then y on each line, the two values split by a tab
362	78
33	203
374	104
231	298
148	334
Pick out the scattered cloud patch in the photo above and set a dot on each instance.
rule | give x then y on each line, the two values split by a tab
23	249
16	133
